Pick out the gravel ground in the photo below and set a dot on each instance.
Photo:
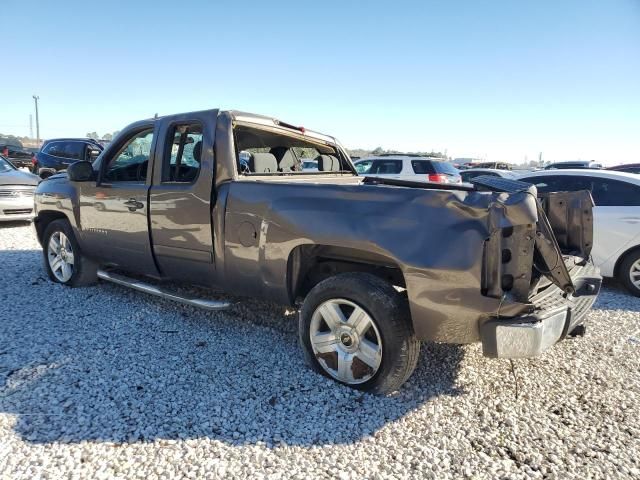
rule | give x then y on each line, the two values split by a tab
108	383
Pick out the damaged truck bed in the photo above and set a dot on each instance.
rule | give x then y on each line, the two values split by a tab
375	265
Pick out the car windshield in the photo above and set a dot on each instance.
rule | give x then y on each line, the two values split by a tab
5	166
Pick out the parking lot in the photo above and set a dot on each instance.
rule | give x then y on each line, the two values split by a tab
105	382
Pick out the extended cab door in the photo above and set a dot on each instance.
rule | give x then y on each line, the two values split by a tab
182	197
113	211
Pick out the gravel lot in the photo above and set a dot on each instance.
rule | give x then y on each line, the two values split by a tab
108	383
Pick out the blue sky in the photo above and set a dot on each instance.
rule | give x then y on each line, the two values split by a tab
501	79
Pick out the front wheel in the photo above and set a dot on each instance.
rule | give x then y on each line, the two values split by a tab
629	273
63	259
355	328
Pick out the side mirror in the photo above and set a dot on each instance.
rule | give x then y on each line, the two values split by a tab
93	154
80	171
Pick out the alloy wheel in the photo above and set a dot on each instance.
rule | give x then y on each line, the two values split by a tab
60	256
345	341
634	274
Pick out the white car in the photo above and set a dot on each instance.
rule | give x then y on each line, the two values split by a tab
408	167
616	217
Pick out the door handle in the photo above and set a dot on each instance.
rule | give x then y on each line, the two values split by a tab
133	205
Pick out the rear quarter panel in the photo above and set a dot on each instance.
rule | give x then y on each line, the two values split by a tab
435	237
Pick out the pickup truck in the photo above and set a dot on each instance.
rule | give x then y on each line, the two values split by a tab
375	266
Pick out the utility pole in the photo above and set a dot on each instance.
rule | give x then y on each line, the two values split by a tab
36	98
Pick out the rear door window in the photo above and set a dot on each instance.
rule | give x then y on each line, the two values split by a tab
385	167
559	183
73	150
614	193
605	192
183	153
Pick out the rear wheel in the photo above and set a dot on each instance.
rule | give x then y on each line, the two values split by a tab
629	273
355	328
63	259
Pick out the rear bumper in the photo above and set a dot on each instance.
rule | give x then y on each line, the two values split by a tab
552	318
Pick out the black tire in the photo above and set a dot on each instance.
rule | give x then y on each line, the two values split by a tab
84	270
625	270
387	308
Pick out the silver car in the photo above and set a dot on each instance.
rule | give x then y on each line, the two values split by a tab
16	192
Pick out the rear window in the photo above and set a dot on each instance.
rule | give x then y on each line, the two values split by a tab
422	167
447	168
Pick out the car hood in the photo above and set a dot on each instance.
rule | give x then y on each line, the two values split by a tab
17	177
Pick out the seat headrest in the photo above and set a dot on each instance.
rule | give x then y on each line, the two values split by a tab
263	163
197	151
328	163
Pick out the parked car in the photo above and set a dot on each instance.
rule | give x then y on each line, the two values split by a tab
16	192
408	167
19	156
467	175
629	168
572	165
616	217
492	165
58	153
363	257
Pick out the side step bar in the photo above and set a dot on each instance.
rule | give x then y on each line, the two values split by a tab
160	292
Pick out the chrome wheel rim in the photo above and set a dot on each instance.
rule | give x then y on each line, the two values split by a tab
345	341
634	274
60	256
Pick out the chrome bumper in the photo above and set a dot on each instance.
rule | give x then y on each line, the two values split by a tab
522	339
554	317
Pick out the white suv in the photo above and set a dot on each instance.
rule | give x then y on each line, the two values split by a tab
408	167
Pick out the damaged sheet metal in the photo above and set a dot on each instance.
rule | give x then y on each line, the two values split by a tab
437	238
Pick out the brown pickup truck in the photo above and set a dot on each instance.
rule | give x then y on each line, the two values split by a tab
220	199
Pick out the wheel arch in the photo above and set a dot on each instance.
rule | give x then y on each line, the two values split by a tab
622	257
309	264
44	218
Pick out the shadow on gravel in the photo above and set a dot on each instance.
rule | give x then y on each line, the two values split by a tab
108	364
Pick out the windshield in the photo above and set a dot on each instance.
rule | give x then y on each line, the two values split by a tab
5	166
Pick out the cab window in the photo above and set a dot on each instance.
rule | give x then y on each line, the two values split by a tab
183	153
132	160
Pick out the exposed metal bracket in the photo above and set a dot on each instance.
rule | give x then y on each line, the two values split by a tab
161	292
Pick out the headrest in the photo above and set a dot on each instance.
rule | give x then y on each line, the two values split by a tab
263	163
328	163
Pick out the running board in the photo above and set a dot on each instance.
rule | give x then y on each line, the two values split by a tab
160	292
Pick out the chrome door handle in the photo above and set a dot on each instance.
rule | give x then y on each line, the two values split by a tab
133	205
